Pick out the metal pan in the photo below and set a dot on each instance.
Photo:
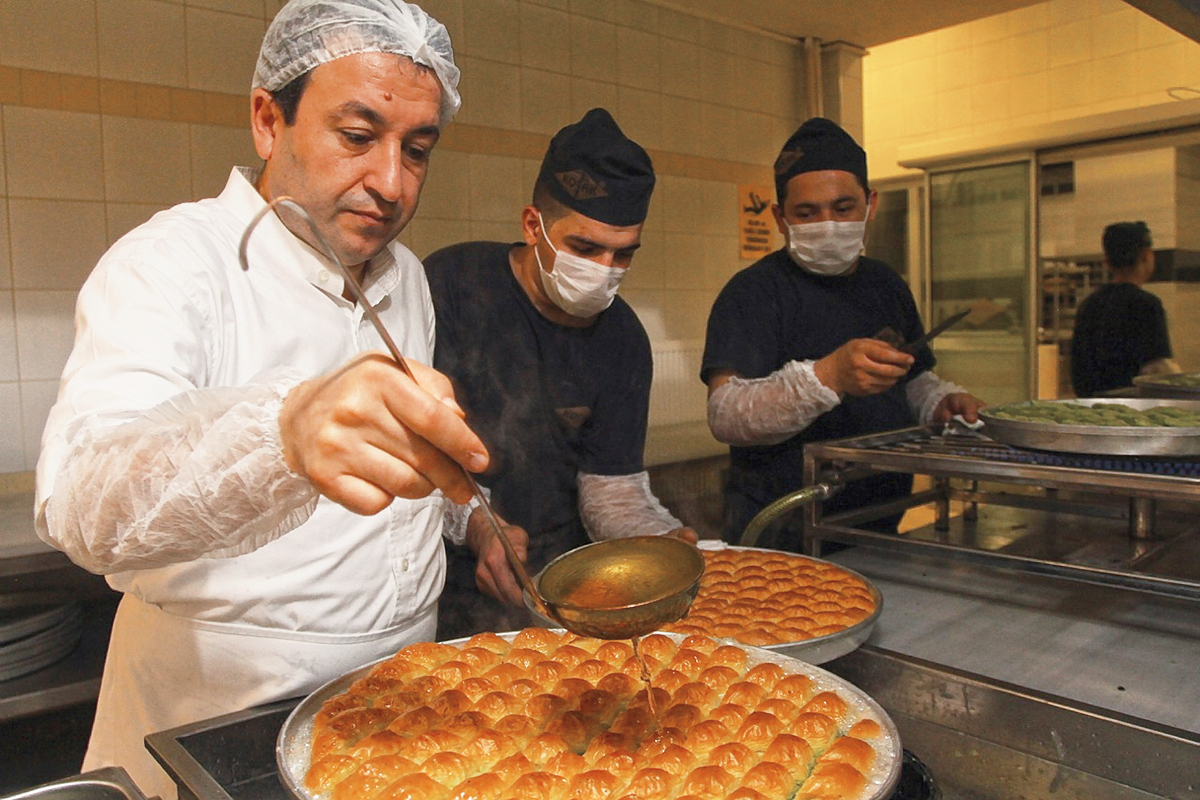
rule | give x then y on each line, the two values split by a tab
295	737
819	649
1098	439
816	650
1185	386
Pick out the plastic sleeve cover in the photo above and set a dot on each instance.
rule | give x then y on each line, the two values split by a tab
201	475
454	529
924	392
617	506
763	411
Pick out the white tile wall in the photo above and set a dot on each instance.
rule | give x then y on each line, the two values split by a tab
247	8
587	94
37	397
53	154
146	161
8	339
12	439
447	191
5	261
536	115
221	50
45	331
52	35
3	170
593	45
142	40
491	93
496	193
508	231
55	243
544	38
639	113
214	152
430	234
491	30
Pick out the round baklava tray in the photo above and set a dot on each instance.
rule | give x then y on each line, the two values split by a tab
543	714
804	607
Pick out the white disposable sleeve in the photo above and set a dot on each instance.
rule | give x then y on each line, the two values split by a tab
201	475
769	410
616	506
454	528
924	392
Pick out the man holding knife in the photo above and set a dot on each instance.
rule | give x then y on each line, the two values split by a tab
791	355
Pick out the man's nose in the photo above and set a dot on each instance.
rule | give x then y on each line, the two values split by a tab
385	178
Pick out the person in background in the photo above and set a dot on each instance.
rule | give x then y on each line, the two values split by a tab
553	370
1121	329
225	448
790	356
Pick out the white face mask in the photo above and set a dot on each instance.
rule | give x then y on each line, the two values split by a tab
578	286
826	248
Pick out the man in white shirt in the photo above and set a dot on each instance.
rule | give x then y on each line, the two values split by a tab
224	447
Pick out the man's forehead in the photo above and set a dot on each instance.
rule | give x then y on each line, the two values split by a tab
574	224
823	186
379	72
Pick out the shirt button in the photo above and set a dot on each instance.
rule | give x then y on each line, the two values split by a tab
405	564
323	275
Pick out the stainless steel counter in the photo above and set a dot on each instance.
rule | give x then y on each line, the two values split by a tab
1130	652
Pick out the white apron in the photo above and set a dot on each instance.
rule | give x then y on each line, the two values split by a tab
164	671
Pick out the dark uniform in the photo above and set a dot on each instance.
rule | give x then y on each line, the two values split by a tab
549	401
1118	330
774	312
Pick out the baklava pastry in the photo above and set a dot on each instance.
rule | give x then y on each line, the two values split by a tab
767	597
552	716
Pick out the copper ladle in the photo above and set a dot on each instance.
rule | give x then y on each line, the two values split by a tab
509	551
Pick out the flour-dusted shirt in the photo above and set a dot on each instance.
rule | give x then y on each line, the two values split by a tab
161	464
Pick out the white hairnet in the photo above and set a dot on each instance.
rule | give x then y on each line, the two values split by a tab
308	33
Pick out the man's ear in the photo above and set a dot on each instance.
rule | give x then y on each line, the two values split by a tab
266	122
872	204
780	222
530	226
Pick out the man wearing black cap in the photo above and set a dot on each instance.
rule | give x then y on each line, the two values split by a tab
790	356
1121	329
553	370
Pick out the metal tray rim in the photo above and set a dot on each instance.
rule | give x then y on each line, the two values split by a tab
1098	439
294	739
820	649
1159	386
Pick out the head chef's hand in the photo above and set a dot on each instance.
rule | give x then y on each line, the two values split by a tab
494	576
863	367
367	433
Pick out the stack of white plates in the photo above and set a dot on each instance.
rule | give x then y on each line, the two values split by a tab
36	630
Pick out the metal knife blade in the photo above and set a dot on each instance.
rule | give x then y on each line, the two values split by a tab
916	344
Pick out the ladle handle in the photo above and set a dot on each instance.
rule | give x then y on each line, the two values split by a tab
509	551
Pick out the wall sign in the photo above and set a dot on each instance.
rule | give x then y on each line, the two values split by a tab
756	223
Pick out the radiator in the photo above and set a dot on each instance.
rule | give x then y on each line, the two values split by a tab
677	395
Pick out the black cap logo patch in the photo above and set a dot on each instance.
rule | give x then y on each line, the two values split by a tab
787	159
580	185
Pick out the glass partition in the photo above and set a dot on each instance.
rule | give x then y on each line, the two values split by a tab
980	242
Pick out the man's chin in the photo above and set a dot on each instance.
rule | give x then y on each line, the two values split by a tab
360	249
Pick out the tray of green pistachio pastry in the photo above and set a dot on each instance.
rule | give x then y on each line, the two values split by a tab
1134	427
1185	385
